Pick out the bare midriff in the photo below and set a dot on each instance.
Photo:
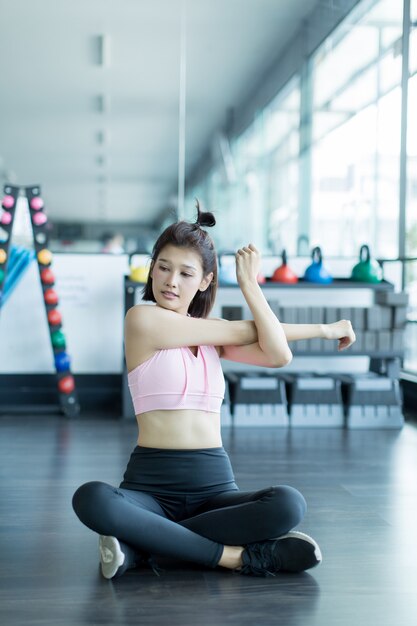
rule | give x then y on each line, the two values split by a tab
181	429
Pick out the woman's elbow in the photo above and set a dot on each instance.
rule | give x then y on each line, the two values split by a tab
285	359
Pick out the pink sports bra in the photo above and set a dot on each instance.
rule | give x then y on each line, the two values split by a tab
176	379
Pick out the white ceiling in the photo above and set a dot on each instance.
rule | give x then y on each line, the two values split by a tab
49	119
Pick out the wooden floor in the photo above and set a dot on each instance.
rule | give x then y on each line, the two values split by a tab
361	488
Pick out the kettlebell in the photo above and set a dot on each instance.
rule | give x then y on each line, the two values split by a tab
368	270
316	272
138	273
283	273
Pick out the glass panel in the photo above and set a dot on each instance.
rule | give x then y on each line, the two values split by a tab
410	358
413	38
356	133
337	64
264	160
410	361
281	118
413	51
282	140
411	216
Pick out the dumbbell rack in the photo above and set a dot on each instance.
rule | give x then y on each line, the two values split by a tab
65	382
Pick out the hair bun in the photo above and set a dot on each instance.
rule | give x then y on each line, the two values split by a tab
204	218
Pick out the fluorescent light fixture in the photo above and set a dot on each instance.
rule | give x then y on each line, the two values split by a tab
102	50
101	103
101	137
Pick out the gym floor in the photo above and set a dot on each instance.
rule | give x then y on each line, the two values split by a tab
361	488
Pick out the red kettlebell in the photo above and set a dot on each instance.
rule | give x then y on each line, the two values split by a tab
66	384
283	273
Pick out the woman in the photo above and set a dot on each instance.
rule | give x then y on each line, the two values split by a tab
178	497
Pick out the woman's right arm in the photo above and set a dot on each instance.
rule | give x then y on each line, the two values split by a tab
159	329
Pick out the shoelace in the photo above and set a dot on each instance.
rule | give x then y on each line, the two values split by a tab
260	556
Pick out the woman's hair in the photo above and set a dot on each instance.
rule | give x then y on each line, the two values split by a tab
186	235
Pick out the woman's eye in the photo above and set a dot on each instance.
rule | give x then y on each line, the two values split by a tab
165	268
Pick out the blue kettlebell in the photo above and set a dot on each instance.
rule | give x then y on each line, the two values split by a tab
316	272
227	272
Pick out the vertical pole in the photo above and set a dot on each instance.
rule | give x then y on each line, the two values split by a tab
182	99
402	252
305	173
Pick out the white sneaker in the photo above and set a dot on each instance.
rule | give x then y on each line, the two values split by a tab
111	555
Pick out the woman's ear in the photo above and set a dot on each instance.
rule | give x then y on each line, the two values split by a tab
205	283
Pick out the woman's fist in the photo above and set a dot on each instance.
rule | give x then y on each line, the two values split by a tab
341	330
248	263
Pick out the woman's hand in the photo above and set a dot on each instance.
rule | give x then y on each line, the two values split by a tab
341	330
248	262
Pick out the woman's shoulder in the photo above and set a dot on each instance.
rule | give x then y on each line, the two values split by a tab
140	310
153	328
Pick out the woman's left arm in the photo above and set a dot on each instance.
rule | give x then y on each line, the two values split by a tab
341	330
271	335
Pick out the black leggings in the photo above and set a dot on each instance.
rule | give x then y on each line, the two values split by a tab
185	504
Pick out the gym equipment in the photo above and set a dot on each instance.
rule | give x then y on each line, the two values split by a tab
66	384
17	260
62	362
283	273
39	219
6	218
315	401
8	202
41	238
58	339
50	296
138	273
36	203
368	270
316	272
257	399
45	257
47	277
373	401
54	317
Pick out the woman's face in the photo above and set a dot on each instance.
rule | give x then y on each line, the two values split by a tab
179	271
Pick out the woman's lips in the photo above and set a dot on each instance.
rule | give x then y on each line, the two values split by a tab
169	296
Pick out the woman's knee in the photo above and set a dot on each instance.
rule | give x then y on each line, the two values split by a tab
90	501
288	503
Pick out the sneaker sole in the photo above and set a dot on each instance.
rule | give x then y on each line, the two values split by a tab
297	535
111	556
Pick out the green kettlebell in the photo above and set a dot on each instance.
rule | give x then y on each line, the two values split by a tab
368	270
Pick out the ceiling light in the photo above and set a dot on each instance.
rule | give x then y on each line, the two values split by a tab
102	50
101	103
